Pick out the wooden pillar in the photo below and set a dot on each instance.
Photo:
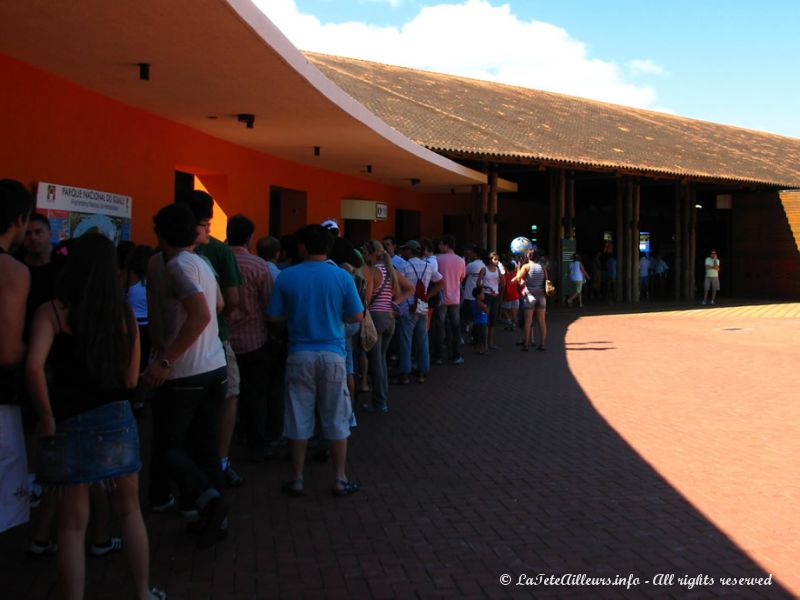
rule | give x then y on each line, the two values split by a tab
619	238
626	265
635	209
692	201
552	231
569	226
678	266
492	247
483	222
686	275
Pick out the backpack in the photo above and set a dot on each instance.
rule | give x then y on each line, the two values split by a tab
419	305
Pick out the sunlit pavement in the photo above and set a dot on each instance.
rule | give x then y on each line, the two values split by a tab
710	398
643	455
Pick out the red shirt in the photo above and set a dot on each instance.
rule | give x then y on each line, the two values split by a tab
512	290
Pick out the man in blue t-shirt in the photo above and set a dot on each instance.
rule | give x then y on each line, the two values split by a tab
315	299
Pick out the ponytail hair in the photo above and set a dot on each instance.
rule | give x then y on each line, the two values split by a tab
375	247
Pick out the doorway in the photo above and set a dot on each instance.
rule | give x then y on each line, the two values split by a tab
287	210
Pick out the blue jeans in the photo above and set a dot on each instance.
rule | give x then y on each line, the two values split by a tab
449	319
384	323
413	331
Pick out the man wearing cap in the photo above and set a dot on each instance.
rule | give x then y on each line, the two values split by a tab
412	331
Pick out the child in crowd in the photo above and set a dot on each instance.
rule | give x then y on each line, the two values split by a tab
480	320
511	296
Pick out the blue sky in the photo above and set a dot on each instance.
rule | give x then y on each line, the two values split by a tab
728	61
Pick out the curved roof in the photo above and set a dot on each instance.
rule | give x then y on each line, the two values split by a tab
481	119
210	61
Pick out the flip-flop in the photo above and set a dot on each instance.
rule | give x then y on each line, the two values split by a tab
348	488
290	488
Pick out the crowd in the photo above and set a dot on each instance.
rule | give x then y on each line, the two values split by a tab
271	347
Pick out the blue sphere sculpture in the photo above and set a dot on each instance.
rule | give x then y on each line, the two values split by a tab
520	246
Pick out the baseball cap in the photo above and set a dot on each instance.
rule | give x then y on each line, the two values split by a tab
330	224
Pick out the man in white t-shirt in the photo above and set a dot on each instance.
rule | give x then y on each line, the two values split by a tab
189	370
711	280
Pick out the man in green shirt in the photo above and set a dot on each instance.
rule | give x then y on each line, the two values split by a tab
226	269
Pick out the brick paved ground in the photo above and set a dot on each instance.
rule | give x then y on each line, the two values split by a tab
659	442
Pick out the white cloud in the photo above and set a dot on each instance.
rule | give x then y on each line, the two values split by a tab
645	66
472	38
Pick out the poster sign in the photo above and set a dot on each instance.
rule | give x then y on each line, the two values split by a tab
73	211
381	211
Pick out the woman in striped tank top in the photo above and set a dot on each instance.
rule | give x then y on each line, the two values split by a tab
534	298
385	288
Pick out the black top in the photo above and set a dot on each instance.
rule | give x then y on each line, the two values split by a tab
71	390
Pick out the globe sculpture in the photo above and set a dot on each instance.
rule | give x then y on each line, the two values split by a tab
520	246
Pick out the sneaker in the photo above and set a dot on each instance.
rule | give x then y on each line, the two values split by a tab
703	303
46	548
438	361
163	506
459	360
232	478
113	545
712	303
213	518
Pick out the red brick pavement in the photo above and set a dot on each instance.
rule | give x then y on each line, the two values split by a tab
616	452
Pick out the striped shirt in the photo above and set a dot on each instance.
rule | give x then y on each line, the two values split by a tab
382	295
534	279
247	322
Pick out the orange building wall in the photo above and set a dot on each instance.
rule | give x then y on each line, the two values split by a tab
57	131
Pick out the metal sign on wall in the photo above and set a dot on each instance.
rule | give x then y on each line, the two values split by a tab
381	211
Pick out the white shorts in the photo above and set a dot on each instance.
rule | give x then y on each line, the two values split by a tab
316	380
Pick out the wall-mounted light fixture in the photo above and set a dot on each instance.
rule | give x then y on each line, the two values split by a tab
144	71
247	118
317	150
369	168
414	181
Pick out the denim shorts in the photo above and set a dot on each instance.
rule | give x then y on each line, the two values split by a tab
97	445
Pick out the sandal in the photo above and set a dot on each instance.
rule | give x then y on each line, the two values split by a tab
348	488
420	378
290	488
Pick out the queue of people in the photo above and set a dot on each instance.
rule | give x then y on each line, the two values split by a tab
218	342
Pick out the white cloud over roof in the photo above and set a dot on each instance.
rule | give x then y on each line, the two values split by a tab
474	38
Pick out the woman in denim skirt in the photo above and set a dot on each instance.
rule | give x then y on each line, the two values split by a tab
87	431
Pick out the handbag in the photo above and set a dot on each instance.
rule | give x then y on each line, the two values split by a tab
549	288
369	335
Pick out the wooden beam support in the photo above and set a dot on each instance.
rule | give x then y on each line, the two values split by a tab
483	221
492	247
678	266
619	237
626	267
635	211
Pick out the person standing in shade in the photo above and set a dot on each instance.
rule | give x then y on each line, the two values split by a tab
248	334
711	280
453	270
226	270
315	299
16	204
